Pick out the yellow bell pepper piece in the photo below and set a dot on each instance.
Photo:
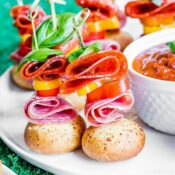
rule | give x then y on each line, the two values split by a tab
168	26
25	37
151	29
157	20
89	88
102	25
46	85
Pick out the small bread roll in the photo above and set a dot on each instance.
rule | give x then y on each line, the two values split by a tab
18	80
55	138
77	101
119	140
123	38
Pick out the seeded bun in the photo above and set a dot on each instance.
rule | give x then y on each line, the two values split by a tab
55	138
18	80
119	140
123	38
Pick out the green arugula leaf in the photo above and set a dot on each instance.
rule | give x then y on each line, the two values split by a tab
75	55
39	55
171	45
92	48
48	37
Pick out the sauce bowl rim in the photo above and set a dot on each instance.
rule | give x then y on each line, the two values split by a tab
144	43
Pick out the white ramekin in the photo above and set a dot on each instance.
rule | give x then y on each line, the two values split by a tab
154	99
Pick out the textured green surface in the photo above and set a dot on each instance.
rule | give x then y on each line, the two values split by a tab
16	164
9	42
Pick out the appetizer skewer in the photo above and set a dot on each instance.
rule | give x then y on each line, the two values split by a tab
105	15
104	24
48	113
106	105
24	26
154	15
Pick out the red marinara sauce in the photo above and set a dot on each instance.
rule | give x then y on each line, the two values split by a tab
157	62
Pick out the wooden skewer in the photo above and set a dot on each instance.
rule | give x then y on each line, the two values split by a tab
20	2
53	11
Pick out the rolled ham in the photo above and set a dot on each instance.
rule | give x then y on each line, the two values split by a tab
51	69
107	44
16	56
98	66
24	49
49	110
109	110
141	9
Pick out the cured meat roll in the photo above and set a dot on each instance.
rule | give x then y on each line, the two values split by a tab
153	15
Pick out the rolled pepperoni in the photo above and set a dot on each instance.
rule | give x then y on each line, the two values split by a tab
19	54
98	66
49	110
21	20
21	9
51	69
109	110
141	9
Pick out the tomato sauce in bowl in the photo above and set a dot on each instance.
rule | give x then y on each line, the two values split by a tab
157	62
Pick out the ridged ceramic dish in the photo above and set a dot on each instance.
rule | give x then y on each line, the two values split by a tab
154	99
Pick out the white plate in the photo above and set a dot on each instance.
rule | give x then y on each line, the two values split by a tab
157	157
7	171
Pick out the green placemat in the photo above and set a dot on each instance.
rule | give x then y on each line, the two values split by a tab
9	42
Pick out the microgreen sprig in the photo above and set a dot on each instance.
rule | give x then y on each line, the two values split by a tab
33	12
